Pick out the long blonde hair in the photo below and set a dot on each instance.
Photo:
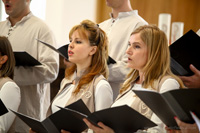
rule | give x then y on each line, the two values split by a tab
97	37
158	63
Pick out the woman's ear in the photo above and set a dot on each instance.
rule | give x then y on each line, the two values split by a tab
3	59
93	50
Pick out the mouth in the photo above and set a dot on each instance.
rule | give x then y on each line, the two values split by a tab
129	59
7	6
70	53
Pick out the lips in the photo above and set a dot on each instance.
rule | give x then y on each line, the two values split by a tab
7	6
129	59
70	53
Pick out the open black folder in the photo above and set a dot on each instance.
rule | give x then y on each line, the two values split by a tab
172	103
63	51
3	109
25	59
185	51
122	119
58	120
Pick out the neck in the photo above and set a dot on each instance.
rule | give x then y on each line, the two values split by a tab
15	19
141	78
81	70
126	7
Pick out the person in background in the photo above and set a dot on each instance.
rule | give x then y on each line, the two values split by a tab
118	28
22	29
9	91
86	78
149	60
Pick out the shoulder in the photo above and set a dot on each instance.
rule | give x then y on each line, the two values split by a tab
169	84
104	23
103	85
10	84
103	82
3	22
37	23
11	87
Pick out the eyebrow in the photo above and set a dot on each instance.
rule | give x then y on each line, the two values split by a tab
135	43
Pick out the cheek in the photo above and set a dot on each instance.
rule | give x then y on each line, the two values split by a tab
145	59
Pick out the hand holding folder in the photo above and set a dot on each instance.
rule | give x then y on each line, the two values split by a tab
172	103
185	51
122	119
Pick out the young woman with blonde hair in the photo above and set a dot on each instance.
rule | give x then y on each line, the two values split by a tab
149	58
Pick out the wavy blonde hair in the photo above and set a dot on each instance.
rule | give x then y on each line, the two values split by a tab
97	37
158	63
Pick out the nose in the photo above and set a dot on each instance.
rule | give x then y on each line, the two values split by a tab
71	45
129	51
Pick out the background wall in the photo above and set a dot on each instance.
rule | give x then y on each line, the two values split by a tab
62	15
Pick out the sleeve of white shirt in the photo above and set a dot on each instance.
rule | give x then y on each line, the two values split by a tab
10	95
169	84
48	71
103	95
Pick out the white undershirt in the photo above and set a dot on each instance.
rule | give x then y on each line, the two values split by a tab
103	96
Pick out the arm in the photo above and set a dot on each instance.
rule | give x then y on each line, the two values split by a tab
103	99
118	71
103	95
48	71
192	81
10	95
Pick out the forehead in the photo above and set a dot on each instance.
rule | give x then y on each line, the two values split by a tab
135	37
80	33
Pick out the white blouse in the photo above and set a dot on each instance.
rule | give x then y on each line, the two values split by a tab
128	98
103	96
10	95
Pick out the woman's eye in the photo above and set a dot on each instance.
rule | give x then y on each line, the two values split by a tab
137	46
78	42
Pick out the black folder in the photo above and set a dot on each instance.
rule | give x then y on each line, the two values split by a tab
63	51
110	60
172	103
3	109
22	58
185	51
122	119
57	121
